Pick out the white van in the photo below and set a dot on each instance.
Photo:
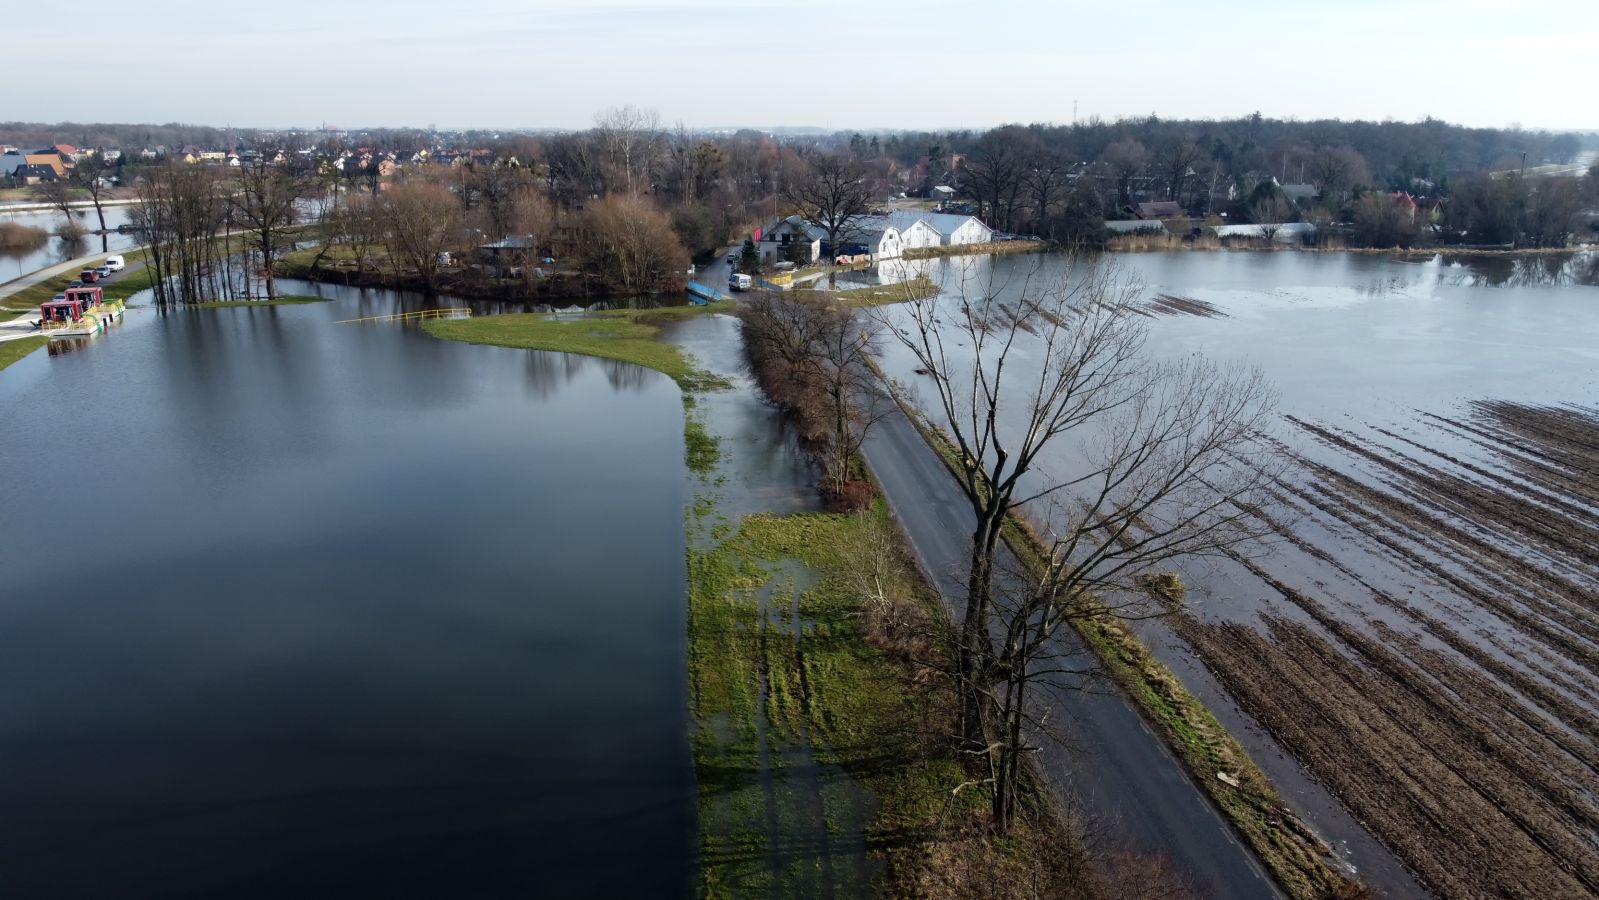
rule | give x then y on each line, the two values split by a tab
739	282
115	263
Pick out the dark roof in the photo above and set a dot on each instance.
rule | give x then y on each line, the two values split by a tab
1161	209
43	173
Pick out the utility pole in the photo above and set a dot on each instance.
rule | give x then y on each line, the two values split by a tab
1074	111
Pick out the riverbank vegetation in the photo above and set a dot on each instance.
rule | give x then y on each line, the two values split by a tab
16	238
281	300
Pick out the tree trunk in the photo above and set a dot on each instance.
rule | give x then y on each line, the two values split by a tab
976	647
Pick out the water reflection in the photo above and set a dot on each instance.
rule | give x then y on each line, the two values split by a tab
349	620
1541	270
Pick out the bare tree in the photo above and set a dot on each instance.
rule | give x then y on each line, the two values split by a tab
992	173
812	356
631	137
264	206
421	221
631	244
1270	212
1174	469
835	194
181	209
1177	159
1338	171
1086	350
1126	161
1044	181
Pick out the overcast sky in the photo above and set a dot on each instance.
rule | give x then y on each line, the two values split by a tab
861	64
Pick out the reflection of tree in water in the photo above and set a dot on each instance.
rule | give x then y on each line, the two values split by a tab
1540	270
624	376
549	371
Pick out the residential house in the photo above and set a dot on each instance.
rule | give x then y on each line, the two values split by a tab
942	193
873	238
48	158
1161	209
914	230
777	239
33	174
955	229
1301	195
68	152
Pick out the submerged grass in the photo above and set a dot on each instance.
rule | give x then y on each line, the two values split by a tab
11	351
820	749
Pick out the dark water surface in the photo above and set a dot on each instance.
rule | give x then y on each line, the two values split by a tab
290	608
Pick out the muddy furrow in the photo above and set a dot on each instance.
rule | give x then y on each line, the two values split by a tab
1332	715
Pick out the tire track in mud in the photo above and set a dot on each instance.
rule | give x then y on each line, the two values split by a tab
1459	722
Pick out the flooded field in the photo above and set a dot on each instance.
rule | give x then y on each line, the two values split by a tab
15	264
1422	634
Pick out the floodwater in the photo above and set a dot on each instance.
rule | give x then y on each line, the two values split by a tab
1435	527
55	250
292	608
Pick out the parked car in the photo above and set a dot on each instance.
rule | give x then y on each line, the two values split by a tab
104	271
732	258
76	282
691	270
115	263
89	276
547	261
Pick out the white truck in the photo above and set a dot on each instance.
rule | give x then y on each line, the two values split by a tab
737	282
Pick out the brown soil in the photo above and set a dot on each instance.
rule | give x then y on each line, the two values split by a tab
1440	677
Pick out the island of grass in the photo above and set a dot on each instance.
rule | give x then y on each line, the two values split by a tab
628	335
11	351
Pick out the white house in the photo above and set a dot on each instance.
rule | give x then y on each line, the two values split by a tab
942	193
958	229
914	231
873	237
776	240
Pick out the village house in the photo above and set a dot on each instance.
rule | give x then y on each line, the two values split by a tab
914	230
33	174
49	158
775	241
871	240
1160	209
955	229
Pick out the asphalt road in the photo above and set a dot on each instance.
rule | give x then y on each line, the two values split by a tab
1116	771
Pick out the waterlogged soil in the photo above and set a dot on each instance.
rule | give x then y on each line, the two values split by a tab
1422	636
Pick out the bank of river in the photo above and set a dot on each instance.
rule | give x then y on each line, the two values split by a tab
299	608
1382	365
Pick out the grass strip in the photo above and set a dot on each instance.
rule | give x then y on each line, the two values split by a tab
11	351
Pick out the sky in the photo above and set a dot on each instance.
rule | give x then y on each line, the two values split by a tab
868	64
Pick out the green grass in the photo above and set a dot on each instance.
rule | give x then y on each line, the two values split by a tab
290	300
11	351
628	335
851	705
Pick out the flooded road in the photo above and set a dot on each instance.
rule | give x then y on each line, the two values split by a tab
1422	637
290	608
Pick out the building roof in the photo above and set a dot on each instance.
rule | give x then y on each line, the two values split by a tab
944	189
1161	209
43	173
1133	226
1298	192
811	230
514	242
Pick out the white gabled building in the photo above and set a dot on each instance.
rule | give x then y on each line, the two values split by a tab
914	231
958	229
873	236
